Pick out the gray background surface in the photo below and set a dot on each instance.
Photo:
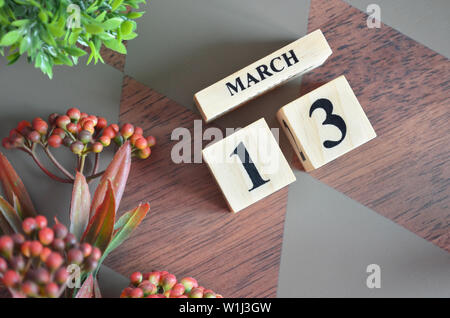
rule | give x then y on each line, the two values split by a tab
186	45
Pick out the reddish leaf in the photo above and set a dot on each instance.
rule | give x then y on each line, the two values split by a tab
12	184
101	226
97	293
87	289
79	207
124	226
117	172
10	216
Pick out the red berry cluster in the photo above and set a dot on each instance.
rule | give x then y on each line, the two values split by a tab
34	264
81	132
162	284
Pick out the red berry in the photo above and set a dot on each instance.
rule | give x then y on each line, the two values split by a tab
96	253
52	118
115	127
151	141
52	290
209	294
61	275
141	143
60	230
46	236
127	130
90	264
86	249
196	293
41	221
25	248
30	289
136	278
72	128
134	138
45	254
29	225
75	256
144	153
6	143
77	147
89	126
41	276
148	288
74	114
177	290
153	277
54	261
18	239
40	126
34	136
97	147
136	293
54	141
85	136
189	283
62	121
83	115
3	265
11	278
58	244
105	140
35	248
94	119
139	131
22	125
168	281
70	240
126	292
101	123
109	132
59	132
6	245
17	263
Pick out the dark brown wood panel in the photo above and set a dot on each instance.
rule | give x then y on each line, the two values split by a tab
113	58
189	230
404	88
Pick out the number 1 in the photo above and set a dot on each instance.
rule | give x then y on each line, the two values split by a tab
249	166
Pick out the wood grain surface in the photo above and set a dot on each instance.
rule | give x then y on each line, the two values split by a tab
189	230
404	88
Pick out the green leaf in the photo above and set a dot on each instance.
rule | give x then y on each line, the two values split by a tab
101	226
117	172
135	15
13	58
10	215
112	24
130	36
20	23
10	38
94	29
75	51
57	28
25	44
116	4
116	45
126	224
101	17
126	27
13	185
79	207
2	3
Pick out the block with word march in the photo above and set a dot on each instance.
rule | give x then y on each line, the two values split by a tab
248	165
325	123
269	72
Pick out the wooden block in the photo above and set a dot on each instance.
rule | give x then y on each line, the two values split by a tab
248	165
325	123
269	72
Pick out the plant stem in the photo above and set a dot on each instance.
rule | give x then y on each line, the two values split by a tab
41	166
83	160
92	177
57	164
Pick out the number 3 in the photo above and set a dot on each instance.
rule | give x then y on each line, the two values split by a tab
331	119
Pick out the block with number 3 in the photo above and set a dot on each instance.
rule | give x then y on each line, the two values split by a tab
325	123
248	165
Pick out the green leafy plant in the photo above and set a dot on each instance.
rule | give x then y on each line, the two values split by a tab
58	32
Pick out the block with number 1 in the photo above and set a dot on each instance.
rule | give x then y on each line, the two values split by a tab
248	165
325	124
